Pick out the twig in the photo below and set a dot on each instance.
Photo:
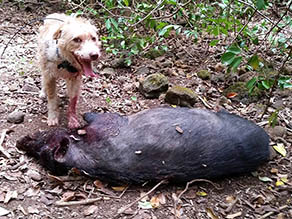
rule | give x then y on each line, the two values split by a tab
205	102
275	82
122	210
2	149
231	205
264	16
272	212
249	19
73	203
186	189
151	12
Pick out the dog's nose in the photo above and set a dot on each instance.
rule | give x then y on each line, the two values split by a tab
94	56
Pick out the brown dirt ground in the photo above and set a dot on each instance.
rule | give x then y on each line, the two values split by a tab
28	194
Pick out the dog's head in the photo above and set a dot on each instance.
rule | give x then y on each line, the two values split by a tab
78	43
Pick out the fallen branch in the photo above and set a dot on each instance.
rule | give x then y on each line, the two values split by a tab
73	203
2	149
122	210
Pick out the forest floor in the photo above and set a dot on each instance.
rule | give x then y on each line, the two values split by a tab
29	191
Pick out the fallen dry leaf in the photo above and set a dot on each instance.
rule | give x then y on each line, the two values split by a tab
231	95
280	148
90	210
3	211
98	184
154	201
211	213
68	196
32	210
229	199
274	170
119	188
10	195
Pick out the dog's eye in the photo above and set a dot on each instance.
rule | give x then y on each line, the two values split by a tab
77	40
93	39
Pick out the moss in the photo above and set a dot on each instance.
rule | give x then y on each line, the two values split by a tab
154	53
204	74
181	96
154	85
242	92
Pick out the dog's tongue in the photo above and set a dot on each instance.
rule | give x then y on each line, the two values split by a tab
87	69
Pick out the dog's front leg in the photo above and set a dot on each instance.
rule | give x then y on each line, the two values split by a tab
49	86
73	89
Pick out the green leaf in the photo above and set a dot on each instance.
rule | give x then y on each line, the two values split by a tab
266	84
227	58
108	24
234	49
214	42
273	119
261	4
126	2
236	62
251	83
254	62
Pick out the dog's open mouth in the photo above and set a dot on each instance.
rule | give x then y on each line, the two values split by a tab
87	68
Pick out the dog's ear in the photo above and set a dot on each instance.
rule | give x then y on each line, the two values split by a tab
57	34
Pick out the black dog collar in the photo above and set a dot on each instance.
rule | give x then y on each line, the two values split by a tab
67	65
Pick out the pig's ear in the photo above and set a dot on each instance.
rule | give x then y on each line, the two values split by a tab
60	152
89	117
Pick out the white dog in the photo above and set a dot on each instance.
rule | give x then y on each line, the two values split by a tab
67	46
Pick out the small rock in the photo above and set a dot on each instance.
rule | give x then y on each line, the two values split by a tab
90	210
204	74
108	72
219	67
143	71
279	104
119	63
215	78
277	131
153	85
181	96
16	117
30	88
34	175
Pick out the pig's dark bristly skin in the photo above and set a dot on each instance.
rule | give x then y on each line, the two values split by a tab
178	144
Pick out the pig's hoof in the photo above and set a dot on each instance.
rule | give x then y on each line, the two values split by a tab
73	122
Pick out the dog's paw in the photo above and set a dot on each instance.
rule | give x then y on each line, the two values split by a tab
42	94
53	119
73	122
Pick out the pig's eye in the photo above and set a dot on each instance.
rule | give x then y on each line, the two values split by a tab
77	40
62	150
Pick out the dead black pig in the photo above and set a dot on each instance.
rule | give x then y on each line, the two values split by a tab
178	144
